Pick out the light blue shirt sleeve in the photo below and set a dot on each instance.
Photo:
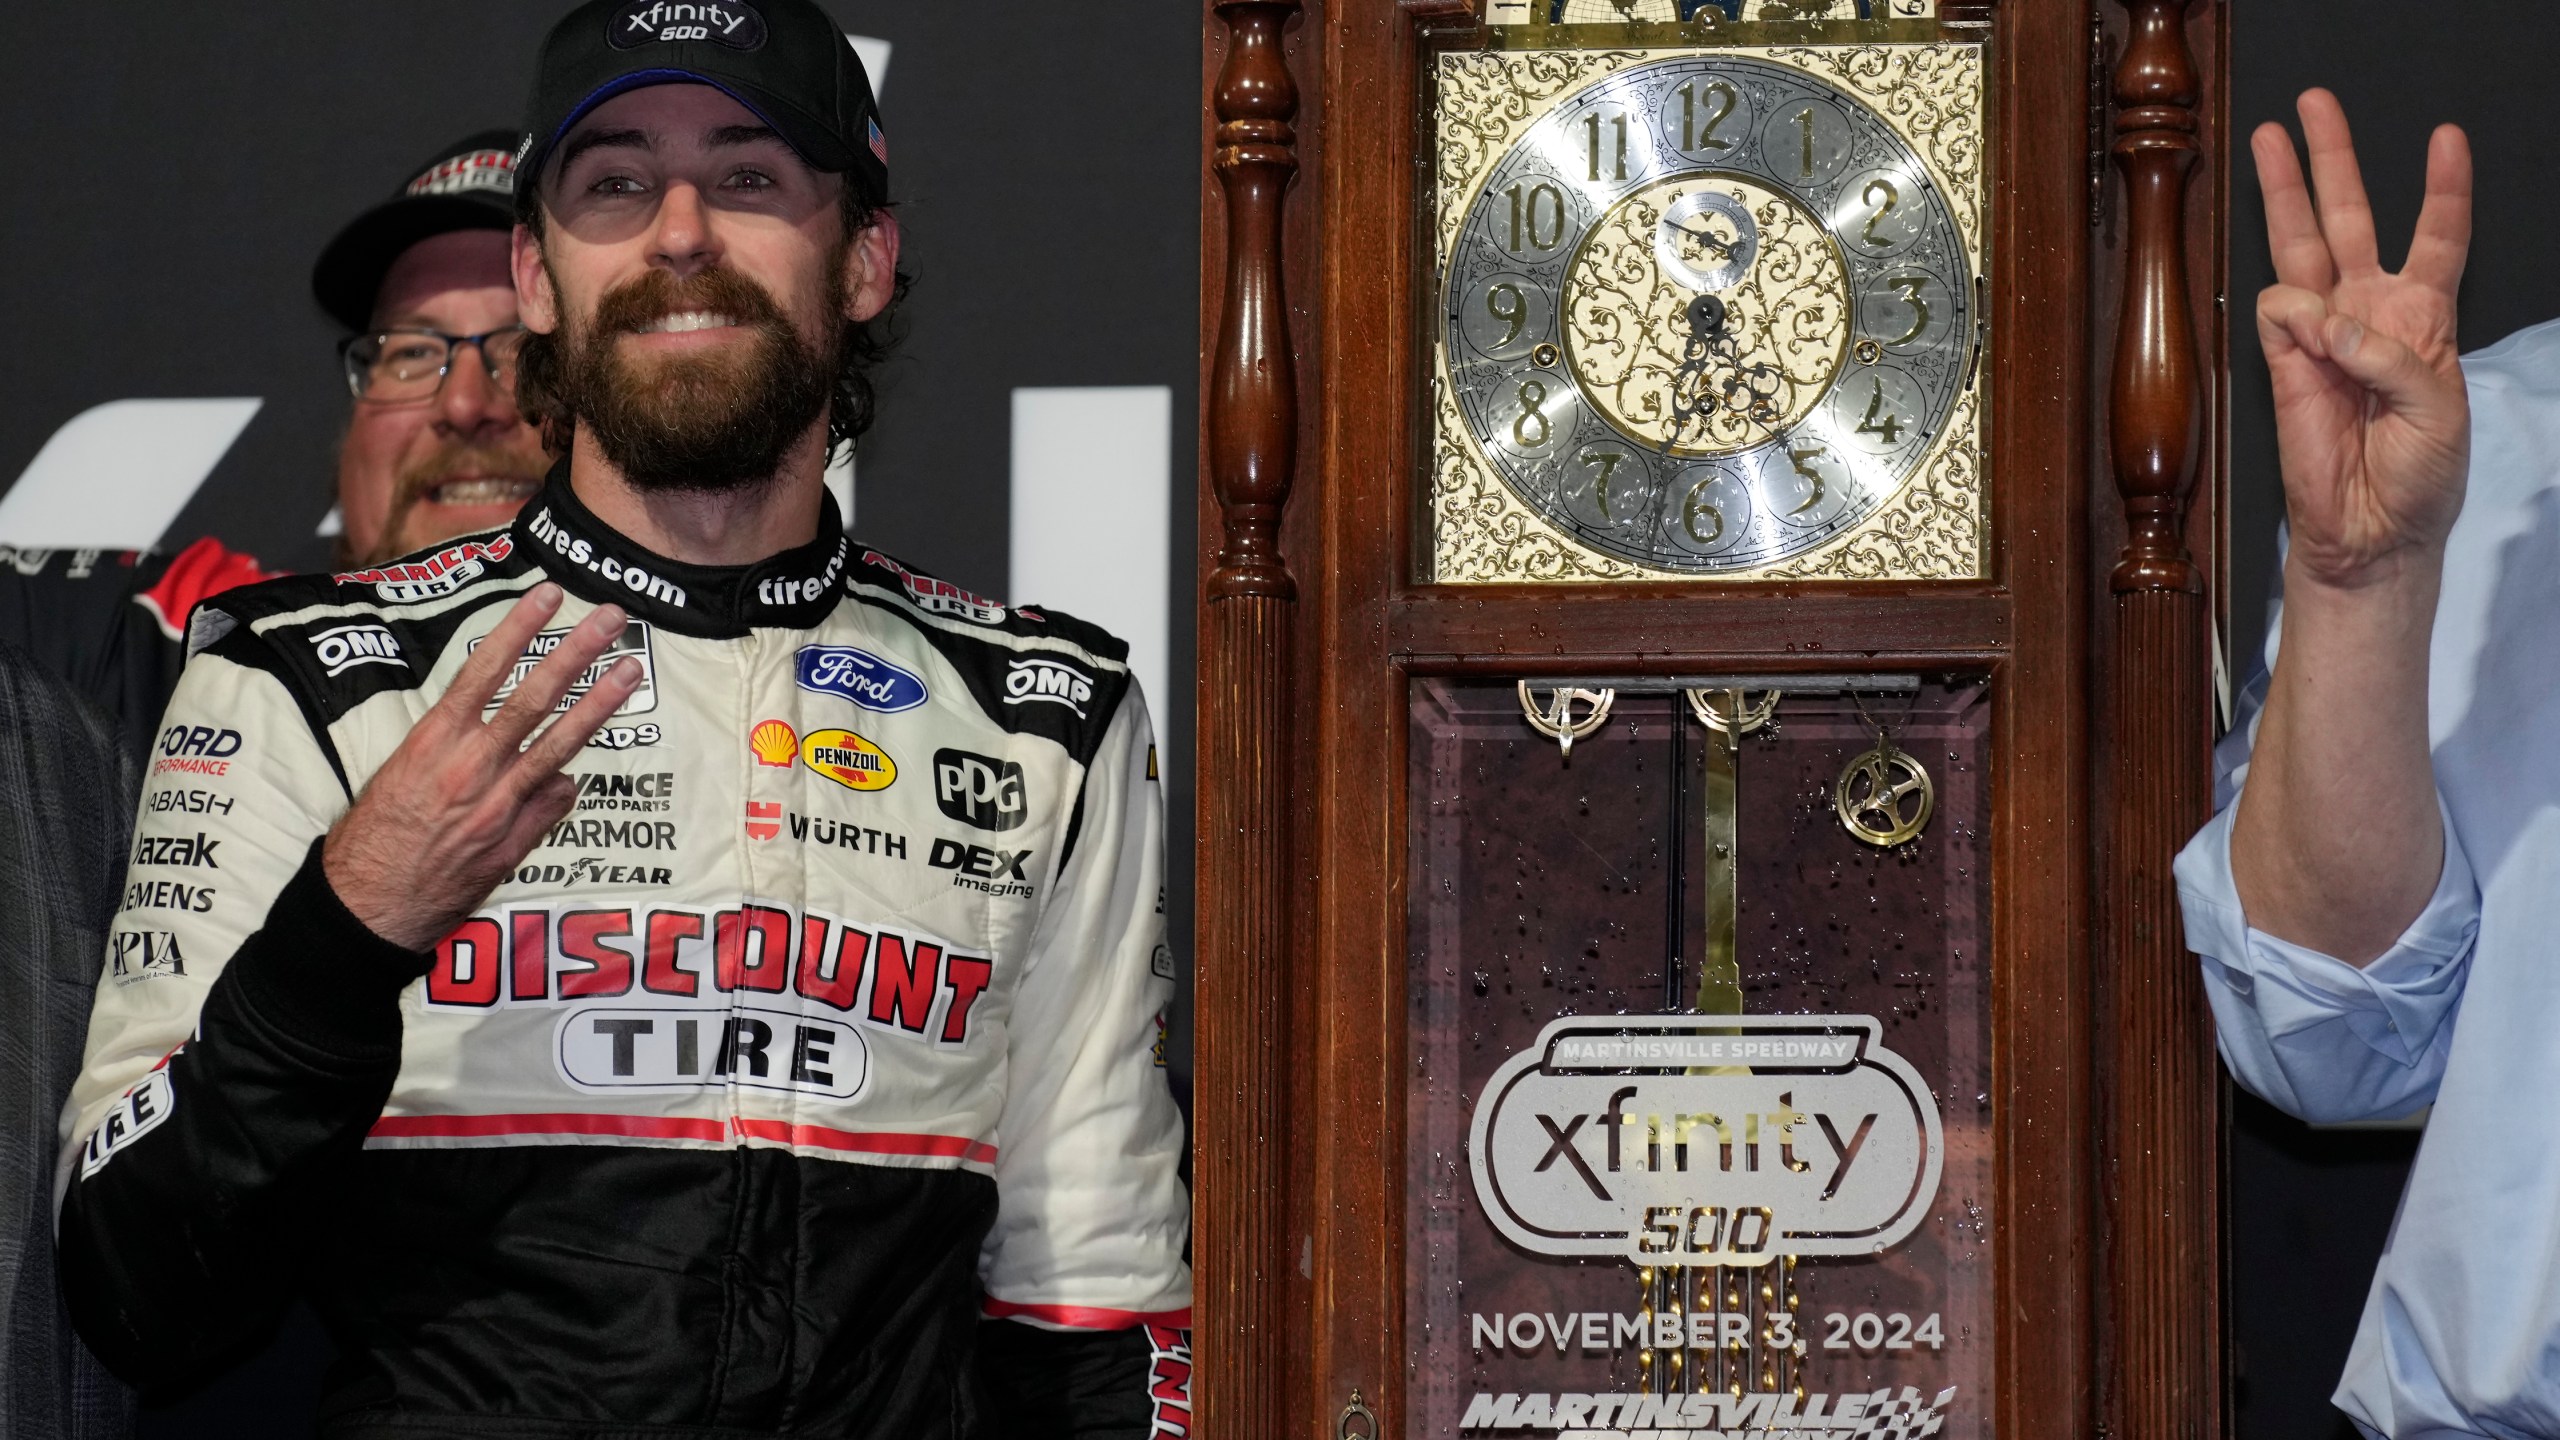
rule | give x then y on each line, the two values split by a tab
2314	1036
2317	1037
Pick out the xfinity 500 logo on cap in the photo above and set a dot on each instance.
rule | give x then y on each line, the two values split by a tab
861	677
728	22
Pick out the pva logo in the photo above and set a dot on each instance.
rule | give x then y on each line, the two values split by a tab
980	790
1048	682
726	22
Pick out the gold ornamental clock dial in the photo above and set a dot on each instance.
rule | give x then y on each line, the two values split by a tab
1709	313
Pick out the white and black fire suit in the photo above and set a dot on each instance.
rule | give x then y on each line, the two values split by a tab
827	1024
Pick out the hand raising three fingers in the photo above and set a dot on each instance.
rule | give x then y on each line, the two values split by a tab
2372	421
465	798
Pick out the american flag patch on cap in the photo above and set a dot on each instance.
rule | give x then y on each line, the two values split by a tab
879	143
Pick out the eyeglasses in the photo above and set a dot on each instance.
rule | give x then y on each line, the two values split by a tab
390	366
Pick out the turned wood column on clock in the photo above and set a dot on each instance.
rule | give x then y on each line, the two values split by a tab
2161	1143
1247	605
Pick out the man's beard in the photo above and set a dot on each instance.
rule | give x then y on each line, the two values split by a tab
701	422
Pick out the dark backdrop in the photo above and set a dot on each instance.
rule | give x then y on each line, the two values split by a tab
2310	1208
181	165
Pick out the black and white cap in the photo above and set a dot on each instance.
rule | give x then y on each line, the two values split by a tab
468	185
783	59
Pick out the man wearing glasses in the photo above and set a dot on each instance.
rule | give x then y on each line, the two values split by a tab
435	447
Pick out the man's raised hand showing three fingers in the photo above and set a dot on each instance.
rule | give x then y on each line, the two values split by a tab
2374	430
465	798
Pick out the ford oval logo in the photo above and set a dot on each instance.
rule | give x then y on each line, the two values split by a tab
861	677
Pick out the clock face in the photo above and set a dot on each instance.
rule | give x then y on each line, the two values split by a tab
1707	314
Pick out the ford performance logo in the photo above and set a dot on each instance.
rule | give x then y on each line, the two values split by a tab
861	677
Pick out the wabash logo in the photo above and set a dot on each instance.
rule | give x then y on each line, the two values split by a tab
724	22
1168	1382
140	954
979	790
196	750
342	648
1047	682
907	983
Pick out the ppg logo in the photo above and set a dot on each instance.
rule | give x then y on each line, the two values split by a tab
1050	682
979	790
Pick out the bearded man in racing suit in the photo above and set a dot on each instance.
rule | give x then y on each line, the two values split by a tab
661	967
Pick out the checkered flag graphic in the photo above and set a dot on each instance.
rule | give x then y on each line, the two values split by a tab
1904	1417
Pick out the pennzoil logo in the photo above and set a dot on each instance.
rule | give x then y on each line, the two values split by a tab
774	744
849	760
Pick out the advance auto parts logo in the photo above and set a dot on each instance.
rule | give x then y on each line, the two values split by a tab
724	22
1706	1140
849	760
634	642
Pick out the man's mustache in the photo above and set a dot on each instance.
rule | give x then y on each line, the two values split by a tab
634	307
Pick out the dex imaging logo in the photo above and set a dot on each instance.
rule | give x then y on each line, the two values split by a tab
979	790
1048	682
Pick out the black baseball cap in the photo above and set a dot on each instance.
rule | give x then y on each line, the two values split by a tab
468	185
783	59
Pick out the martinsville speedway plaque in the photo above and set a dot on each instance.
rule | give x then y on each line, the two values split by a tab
1700	1119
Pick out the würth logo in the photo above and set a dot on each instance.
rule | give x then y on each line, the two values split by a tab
726	22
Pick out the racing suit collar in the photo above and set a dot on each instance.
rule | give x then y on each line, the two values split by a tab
793	590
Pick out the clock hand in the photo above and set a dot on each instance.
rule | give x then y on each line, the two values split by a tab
1708	239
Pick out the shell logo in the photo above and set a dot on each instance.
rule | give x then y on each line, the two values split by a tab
849	760
774	744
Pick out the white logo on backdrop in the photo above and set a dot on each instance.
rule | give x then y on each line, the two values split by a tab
115	475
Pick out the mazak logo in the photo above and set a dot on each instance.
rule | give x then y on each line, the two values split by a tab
193	852
861	677
723	22
442	573
342	648
1048	682
141	954
941	597
634	643
195	750
980	790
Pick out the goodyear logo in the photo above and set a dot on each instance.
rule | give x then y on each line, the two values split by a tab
848	759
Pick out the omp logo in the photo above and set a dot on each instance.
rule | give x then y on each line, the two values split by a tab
1049	682
342	648
979	790
726	22
861	677
115	475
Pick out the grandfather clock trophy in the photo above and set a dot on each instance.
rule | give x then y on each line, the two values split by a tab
1695	719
